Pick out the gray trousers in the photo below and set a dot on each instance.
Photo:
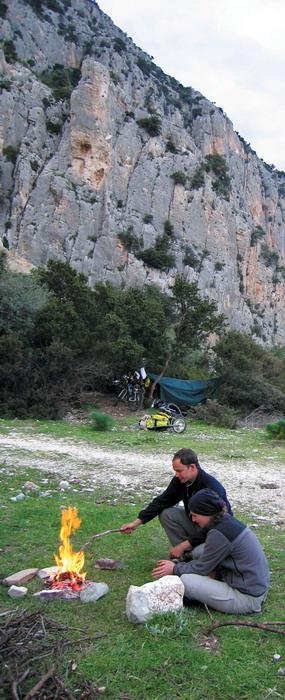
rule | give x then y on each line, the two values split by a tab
219	595
177	525
216	594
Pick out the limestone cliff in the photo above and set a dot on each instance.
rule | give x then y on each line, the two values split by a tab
114	166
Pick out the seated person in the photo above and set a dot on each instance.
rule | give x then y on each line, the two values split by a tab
232	574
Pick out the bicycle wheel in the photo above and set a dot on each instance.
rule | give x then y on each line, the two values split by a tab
120	397
135	400
178	425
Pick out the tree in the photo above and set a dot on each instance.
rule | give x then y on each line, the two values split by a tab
250	374
192	319
21	299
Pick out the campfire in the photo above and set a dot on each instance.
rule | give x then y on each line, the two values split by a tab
70	564
67	579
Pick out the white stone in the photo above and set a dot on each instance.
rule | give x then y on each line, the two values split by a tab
31	486
63	485
19	497
17	591
47	572
164	595
93	592
19	577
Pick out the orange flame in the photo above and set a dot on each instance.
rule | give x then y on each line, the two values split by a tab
67	560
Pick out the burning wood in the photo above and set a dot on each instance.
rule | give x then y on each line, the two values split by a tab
70	563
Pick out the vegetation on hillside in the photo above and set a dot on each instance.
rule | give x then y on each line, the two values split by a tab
59	338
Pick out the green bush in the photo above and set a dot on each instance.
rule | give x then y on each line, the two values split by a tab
190	258
10	152
179	177
170	146
101	421
144	66
68	31
147	219
168	228
53	127
276	430
9	51
269	256
34	165
151	124
61	80
119	45
217	165
55	6
128	239
158	256
3	9
197	112
5	85
257	233
214	413
198	179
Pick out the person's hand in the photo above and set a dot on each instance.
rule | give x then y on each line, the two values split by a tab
163	567
128	528
179	549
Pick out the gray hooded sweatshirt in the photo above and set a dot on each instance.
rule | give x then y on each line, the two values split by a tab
233	550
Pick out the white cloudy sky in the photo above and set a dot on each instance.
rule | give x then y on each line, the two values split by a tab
233	51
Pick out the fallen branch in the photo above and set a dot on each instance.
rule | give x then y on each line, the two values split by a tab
67	693
16	682
245	623
100	534
98	635
40	684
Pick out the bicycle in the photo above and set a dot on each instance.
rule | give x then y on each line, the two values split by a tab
129	392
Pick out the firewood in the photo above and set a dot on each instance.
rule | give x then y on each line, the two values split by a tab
245	623
100	534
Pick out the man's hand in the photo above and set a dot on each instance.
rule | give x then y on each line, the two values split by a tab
163	568
130	527
179	549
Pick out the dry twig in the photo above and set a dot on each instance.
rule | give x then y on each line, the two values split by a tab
40	683
245	623
26	640
100	534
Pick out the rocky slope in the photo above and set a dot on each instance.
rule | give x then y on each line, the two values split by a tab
114	166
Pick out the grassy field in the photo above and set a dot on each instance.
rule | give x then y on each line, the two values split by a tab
242	443
172	656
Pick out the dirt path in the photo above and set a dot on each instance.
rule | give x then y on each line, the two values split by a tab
134	472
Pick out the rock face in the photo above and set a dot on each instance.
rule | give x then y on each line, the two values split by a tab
162	596
84	180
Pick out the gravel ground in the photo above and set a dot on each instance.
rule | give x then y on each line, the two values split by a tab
251	486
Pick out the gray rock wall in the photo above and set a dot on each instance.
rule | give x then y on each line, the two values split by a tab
78	171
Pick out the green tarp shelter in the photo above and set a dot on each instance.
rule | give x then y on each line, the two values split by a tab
187	392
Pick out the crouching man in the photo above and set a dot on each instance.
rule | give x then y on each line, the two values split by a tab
232	574
182	531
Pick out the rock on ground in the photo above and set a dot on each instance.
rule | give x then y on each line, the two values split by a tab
164	595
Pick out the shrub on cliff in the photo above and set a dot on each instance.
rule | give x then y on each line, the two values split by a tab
151	124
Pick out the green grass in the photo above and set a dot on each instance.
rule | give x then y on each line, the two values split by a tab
167	658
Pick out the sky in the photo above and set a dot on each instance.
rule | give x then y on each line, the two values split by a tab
232	51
